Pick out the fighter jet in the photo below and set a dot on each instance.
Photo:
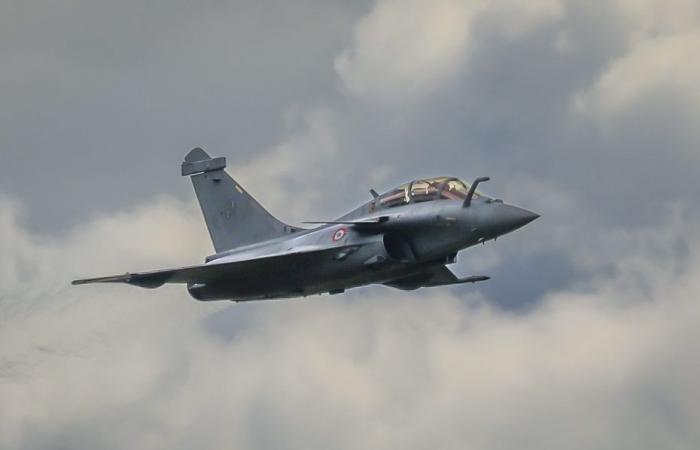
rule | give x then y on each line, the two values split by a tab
403	238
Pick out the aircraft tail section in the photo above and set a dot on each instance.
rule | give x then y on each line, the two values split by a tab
233	217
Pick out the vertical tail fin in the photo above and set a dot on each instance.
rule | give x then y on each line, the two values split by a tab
232	216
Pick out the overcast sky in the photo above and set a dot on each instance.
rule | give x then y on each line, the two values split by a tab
587	112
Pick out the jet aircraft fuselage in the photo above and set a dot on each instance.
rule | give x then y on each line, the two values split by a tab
403	238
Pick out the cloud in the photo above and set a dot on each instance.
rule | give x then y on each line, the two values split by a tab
83	367
641	113
293	173
662	68
642	19
402	51
91	87
582	111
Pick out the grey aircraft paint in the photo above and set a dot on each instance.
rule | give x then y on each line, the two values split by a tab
403	238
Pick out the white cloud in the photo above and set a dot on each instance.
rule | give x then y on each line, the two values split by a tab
661	70
403	50
406	48
514	18
642	19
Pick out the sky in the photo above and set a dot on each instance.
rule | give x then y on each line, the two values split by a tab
587	112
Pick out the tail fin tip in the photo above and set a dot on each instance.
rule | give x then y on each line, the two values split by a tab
198	161
196	154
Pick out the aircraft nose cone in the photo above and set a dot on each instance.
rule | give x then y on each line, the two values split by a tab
510	218
521	216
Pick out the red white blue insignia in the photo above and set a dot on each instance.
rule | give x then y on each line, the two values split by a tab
339	234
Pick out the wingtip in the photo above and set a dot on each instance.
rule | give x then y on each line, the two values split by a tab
475	279
125	278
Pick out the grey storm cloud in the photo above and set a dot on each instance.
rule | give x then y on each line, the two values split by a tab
584	111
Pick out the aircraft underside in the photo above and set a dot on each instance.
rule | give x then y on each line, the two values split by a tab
334	282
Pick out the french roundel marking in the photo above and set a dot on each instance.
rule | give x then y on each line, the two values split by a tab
339	234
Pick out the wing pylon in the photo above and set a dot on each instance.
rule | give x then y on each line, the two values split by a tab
433	277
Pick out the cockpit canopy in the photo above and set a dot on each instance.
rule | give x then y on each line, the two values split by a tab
438	188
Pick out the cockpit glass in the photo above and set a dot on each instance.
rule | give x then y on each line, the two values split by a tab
423	191
455	189
439	188
395	197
